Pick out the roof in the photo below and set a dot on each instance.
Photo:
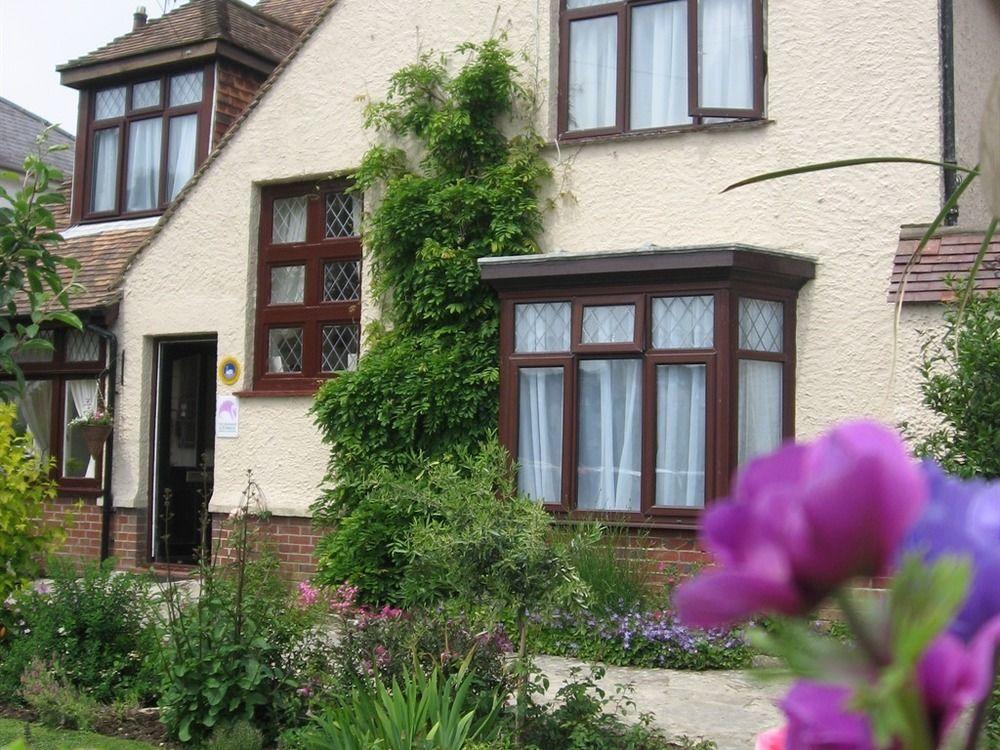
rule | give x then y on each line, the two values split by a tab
264	34
18	130
950	253
296	13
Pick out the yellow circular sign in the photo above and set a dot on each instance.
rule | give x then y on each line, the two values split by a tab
229	370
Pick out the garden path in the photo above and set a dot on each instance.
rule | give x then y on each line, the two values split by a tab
729	707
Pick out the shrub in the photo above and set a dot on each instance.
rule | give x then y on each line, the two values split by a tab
60	705
242	735
466	189
94	624
25	487
959	372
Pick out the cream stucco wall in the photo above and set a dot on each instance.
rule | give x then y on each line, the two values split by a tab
977	64
842	82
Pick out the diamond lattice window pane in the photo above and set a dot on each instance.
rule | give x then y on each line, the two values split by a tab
289	220
36	355
343	215
185	88
83	346
542	327
683	322
284	350
287	285
340	348
341	280
608	324
761	325
109	103
146	94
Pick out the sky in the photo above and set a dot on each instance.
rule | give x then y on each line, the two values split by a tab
37	35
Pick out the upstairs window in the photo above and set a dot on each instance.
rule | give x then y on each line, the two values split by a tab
635	65
308	288
145	139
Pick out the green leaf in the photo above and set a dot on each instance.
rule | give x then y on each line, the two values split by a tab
841	163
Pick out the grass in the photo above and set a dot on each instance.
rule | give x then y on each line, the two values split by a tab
43	738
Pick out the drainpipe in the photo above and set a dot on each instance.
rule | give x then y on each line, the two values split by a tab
948	149
107	507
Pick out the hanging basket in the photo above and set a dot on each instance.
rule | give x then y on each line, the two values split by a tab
95	435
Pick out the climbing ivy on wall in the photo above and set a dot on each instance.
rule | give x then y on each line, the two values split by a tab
456	176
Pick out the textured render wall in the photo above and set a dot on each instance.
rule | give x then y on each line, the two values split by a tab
839	86
977	63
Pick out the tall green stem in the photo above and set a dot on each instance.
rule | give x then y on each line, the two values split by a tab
876	652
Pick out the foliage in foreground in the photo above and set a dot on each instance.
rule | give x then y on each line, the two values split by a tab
92	625
463	189
960	373
25	488
29	267
37	737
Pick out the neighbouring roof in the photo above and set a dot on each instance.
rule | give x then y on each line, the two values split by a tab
268	31
18	130
950	253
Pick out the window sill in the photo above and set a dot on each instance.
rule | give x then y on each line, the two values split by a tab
277	393
652	522
568	139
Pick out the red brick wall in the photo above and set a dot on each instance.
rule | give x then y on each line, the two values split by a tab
293	538
235	87
82	521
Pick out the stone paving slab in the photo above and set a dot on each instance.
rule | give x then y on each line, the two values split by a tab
729	707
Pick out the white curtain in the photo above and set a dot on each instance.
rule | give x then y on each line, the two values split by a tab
143	180
81	400
680	435
287	284
183	136
683	322
542	327
593	72
105	170
759	417
539	431
725	40
659	86
34	408
289	219
610	453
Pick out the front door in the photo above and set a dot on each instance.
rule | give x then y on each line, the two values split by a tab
184	449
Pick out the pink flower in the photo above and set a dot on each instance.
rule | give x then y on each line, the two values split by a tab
344	598
803	521
307	594
772	739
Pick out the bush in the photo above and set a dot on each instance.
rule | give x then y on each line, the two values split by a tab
239	736
637	638
94	624
57	703
959	371
467	190
25	487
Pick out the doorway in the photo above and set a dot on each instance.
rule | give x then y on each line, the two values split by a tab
183	450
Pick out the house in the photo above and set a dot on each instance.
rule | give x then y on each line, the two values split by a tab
18	130
667	332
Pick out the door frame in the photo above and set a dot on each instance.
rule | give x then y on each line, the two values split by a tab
154	427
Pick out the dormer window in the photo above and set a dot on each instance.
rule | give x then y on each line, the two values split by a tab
145	139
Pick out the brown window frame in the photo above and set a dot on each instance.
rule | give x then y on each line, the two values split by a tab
313	313
621	9
721	382
58	371
83	188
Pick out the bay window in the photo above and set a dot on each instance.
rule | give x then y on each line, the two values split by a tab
635	65
309	286
145	139
61	385
634	385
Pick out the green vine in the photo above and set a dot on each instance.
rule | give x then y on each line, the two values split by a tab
454	185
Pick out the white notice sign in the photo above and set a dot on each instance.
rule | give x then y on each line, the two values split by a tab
227	416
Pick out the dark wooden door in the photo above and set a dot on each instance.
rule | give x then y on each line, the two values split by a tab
185	449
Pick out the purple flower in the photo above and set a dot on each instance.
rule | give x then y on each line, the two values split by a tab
963	518
804	520
819	719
